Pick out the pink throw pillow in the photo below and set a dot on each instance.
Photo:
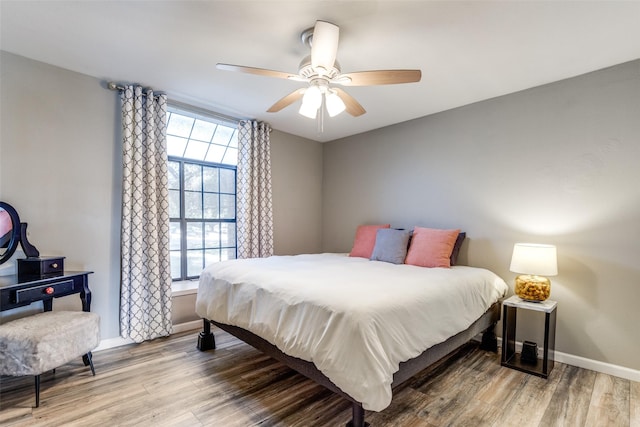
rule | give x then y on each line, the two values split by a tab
365	240
431	247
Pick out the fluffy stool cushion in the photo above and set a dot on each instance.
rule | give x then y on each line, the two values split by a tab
42	342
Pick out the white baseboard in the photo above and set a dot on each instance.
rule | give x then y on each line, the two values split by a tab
119	341
187	326
595	365
583	362
112	343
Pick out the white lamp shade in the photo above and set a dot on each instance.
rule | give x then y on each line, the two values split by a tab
311	101
533	258
308	110
335	105
312	97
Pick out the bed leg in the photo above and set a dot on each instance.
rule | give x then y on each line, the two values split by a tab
206	340
357	417
489	339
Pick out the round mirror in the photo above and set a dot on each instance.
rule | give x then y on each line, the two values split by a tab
9	231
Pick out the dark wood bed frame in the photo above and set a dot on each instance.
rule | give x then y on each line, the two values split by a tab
485	325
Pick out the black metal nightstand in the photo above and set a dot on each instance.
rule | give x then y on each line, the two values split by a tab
541	367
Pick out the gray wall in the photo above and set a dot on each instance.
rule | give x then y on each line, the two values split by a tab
297	194
554	164
60	168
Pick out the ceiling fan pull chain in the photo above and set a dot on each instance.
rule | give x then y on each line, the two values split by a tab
321	117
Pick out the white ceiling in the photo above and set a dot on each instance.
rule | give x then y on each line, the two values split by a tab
467	50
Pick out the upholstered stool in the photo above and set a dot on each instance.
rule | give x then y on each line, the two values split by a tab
35	344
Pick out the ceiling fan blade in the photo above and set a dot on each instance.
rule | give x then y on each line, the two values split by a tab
324	45
258	71
287	100
378	77
353	107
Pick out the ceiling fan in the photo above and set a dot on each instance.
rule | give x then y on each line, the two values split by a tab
322	71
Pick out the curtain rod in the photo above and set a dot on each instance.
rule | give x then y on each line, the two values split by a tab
120	88
114	86
187	107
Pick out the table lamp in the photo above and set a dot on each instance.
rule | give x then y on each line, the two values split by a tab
533	261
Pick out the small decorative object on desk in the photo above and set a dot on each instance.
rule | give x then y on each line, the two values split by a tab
533	261
40	267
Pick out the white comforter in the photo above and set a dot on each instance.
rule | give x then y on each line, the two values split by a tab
355	319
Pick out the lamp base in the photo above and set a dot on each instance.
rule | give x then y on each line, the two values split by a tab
532	288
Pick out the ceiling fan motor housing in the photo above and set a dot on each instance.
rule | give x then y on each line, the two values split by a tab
305	69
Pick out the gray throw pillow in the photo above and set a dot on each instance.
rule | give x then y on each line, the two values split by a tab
391	245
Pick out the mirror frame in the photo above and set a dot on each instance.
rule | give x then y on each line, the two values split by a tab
15	232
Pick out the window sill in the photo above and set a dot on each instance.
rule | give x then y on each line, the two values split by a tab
184	287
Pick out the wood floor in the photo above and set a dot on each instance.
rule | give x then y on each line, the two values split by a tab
168	382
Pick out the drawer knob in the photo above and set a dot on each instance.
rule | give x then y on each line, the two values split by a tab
48	290
54	265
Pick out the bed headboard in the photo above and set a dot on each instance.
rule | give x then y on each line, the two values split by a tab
456	248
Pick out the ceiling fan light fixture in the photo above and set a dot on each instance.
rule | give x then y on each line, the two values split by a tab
308	111
311	101
313	97
335	105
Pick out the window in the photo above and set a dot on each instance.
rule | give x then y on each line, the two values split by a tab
203	152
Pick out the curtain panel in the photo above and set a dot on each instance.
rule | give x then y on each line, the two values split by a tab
145	298
254	203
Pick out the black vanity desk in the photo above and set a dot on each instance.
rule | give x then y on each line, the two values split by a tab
19	293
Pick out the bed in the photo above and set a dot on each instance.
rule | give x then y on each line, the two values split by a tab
356	326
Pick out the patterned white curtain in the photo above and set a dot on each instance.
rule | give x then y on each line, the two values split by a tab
254	206
145	298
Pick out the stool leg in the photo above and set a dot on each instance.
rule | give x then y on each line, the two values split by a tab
87	359
37	391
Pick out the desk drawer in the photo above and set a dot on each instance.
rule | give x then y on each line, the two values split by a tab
40	267
44	291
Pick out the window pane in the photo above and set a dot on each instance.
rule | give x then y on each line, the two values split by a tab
211	206
210	179
196	150
215	153
195	262
174	175
211	256
212	235
192	205
228	234
194	235
203	131
228	254
223	135
176	146
175	265
227	181
227	206
175	236
174	204
234	139
231	157
192	177
179	125
189	137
